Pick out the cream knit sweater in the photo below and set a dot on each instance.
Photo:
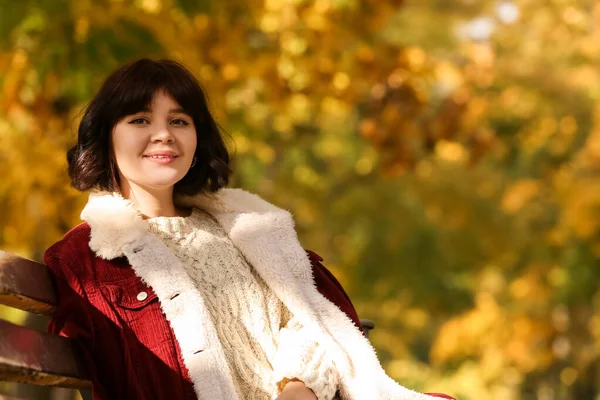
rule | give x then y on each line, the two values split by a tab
263	343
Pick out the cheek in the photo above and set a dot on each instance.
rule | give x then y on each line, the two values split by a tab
192	141
126	145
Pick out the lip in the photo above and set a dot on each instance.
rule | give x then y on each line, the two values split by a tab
162	161
167	157
161	153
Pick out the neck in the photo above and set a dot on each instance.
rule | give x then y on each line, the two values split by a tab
151	202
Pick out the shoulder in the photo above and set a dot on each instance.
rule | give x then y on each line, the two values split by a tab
327	284
74	246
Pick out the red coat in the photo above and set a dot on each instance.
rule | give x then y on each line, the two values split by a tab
127	344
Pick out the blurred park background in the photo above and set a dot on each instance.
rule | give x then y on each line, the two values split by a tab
443	157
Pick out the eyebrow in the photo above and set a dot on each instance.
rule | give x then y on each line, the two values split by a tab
177	111
171	111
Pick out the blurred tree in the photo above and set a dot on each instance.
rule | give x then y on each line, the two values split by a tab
443	158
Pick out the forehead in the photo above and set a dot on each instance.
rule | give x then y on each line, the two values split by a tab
162	98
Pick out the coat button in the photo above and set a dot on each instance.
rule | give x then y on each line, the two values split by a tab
142	296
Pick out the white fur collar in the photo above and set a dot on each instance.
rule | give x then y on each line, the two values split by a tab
116	222
266	236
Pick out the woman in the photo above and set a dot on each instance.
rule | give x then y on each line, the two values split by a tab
177	288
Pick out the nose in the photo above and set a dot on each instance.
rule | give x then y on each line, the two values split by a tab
162	134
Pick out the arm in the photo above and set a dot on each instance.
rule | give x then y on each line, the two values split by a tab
329	287
301	366
71	318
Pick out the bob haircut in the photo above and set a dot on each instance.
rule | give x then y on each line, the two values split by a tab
130	89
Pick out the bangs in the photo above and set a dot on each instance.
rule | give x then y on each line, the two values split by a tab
139	83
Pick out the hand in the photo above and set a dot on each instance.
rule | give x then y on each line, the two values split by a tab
296	390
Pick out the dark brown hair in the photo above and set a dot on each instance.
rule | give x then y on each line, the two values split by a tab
130	89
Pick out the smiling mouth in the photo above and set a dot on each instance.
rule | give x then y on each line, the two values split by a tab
161	160
161	156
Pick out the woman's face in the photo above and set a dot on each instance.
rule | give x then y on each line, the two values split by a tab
153	149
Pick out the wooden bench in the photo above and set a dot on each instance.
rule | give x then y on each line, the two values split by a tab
34	357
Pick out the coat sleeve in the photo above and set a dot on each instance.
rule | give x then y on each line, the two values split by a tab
300	357
329	287
72	318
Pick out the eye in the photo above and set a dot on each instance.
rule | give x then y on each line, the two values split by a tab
180	121
139	121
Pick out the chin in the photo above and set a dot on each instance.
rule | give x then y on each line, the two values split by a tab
164	182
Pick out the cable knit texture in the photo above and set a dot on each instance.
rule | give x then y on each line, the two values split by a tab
263	344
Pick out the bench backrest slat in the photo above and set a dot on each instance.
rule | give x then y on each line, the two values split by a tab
26	285
39	358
